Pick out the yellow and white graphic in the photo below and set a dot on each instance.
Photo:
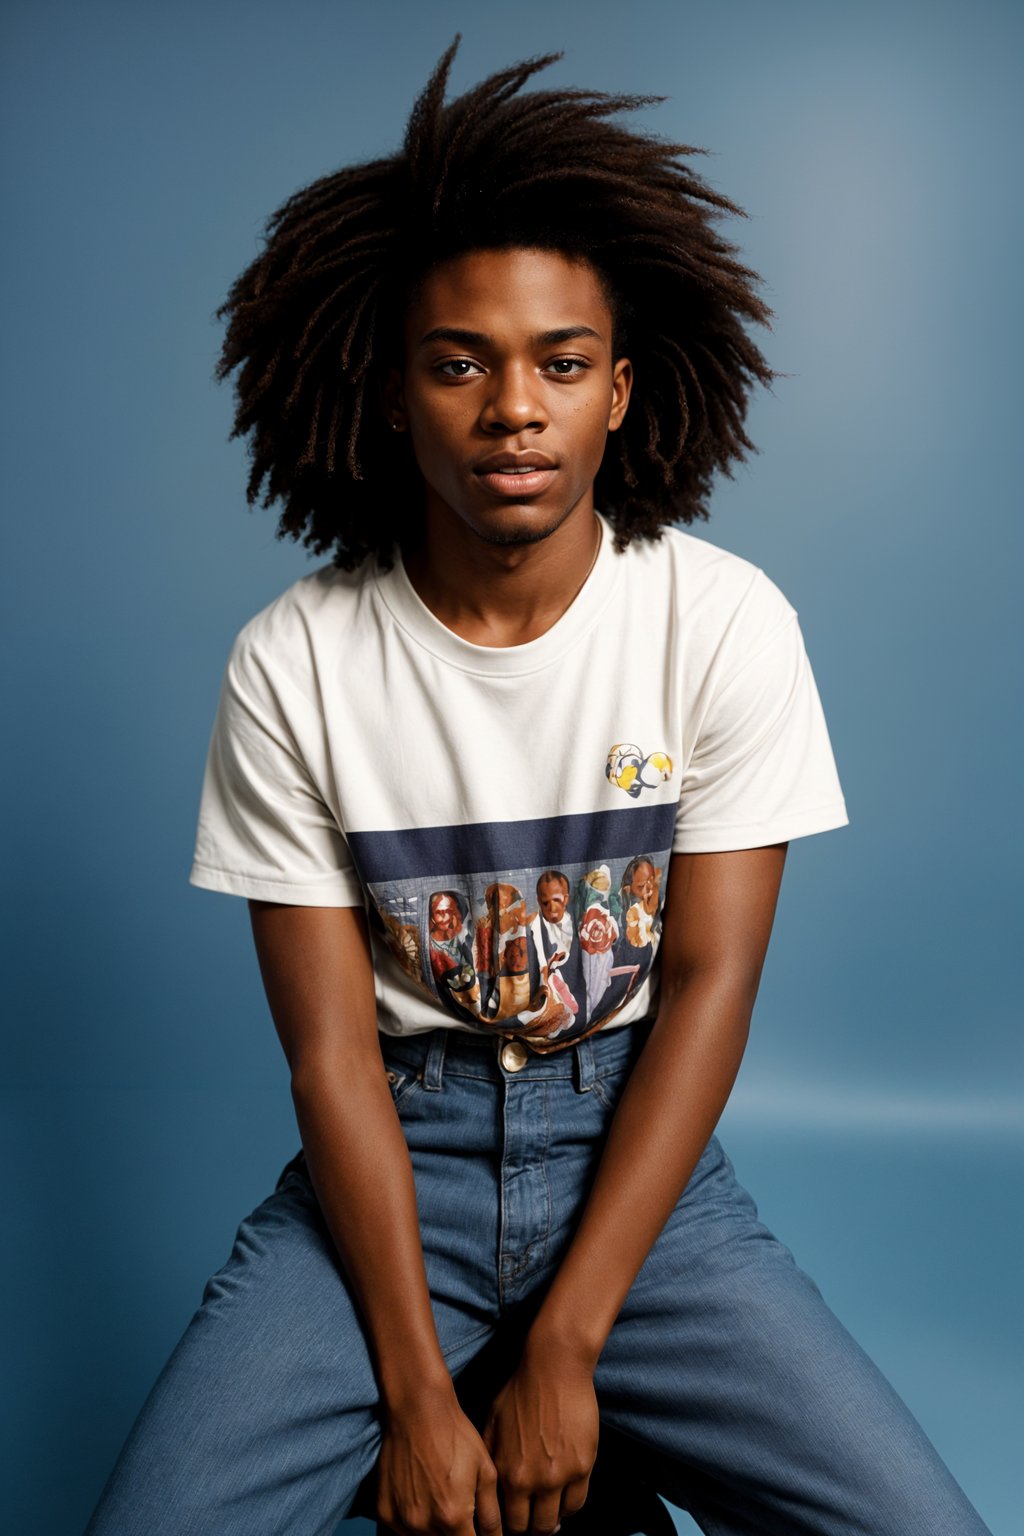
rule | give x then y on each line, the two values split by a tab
629	769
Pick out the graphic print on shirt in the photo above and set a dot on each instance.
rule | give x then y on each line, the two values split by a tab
549	949
629	769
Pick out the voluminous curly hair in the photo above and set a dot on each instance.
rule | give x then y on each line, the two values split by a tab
316	318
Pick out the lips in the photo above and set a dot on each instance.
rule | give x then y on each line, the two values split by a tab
516	474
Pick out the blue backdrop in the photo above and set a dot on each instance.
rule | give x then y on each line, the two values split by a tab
146	1106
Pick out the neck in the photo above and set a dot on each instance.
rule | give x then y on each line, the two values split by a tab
501	594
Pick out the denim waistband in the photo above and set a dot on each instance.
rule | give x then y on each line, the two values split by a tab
433	1052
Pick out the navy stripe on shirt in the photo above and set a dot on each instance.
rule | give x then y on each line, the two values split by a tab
490	847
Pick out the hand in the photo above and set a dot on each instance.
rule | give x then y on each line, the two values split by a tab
542	1435
435	1473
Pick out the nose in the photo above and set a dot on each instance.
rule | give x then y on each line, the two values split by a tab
514	402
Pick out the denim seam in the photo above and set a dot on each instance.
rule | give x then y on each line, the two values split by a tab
405	1090
471	1338
527	1076
492	1077
544	1171
598	1087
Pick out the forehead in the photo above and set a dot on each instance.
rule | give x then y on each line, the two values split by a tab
509	294
556	882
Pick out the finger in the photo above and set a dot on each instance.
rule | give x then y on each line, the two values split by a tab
488	1513
517	1513
389	1522
545	1513
574	1496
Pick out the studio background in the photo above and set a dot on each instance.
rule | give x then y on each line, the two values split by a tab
145	1098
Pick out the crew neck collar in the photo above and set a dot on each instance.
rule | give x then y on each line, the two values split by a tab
409	610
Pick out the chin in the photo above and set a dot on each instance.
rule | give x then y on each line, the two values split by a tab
519	523
511	536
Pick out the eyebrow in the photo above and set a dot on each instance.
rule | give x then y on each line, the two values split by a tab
463	338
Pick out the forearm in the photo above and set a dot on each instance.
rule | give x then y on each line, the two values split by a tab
360	1167
668	1110
318	974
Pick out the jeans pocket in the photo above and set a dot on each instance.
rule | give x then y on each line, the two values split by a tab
609	1085
403	1082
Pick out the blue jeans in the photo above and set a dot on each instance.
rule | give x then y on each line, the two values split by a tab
749	1404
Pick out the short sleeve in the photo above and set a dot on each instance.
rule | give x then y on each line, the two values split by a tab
265	830
762	769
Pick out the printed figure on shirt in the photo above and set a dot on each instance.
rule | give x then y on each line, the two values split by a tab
640	895
554	1008
550	970
598	931
553	926
501	953
451	949
401	933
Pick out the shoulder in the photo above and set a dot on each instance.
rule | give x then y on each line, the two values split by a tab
711	596
287	639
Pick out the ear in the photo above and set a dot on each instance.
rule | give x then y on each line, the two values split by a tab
393	399
622	384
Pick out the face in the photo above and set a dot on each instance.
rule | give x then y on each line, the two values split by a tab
506	905
445	920
513	914
644	886
509	390
552	895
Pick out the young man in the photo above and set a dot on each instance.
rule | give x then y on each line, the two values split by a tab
508	785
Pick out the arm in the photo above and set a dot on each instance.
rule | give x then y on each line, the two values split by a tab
718	920
318	975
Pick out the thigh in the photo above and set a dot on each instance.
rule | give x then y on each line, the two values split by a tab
264	1418
757	1409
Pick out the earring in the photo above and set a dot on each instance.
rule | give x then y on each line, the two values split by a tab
396	426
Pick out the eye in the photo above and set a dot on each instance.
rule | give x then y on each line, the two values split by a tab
455	367
567	367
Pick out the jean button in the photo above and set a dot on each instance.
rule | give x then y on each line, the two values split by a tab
514	1055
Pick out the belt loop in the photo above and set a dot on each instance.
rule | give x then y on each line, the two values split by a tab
434	1065
585	1073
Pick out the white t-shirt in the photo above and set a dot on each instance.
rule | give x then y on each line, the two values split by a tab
507	814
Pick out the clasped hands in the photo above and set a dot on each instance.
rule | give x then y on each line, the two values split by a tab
439	1477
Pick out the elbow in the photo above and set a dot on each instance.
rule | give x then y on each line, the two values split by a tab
727	989
320	1074
731	980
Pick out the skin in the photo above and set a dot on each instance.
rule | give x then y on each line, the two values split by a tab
499	572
